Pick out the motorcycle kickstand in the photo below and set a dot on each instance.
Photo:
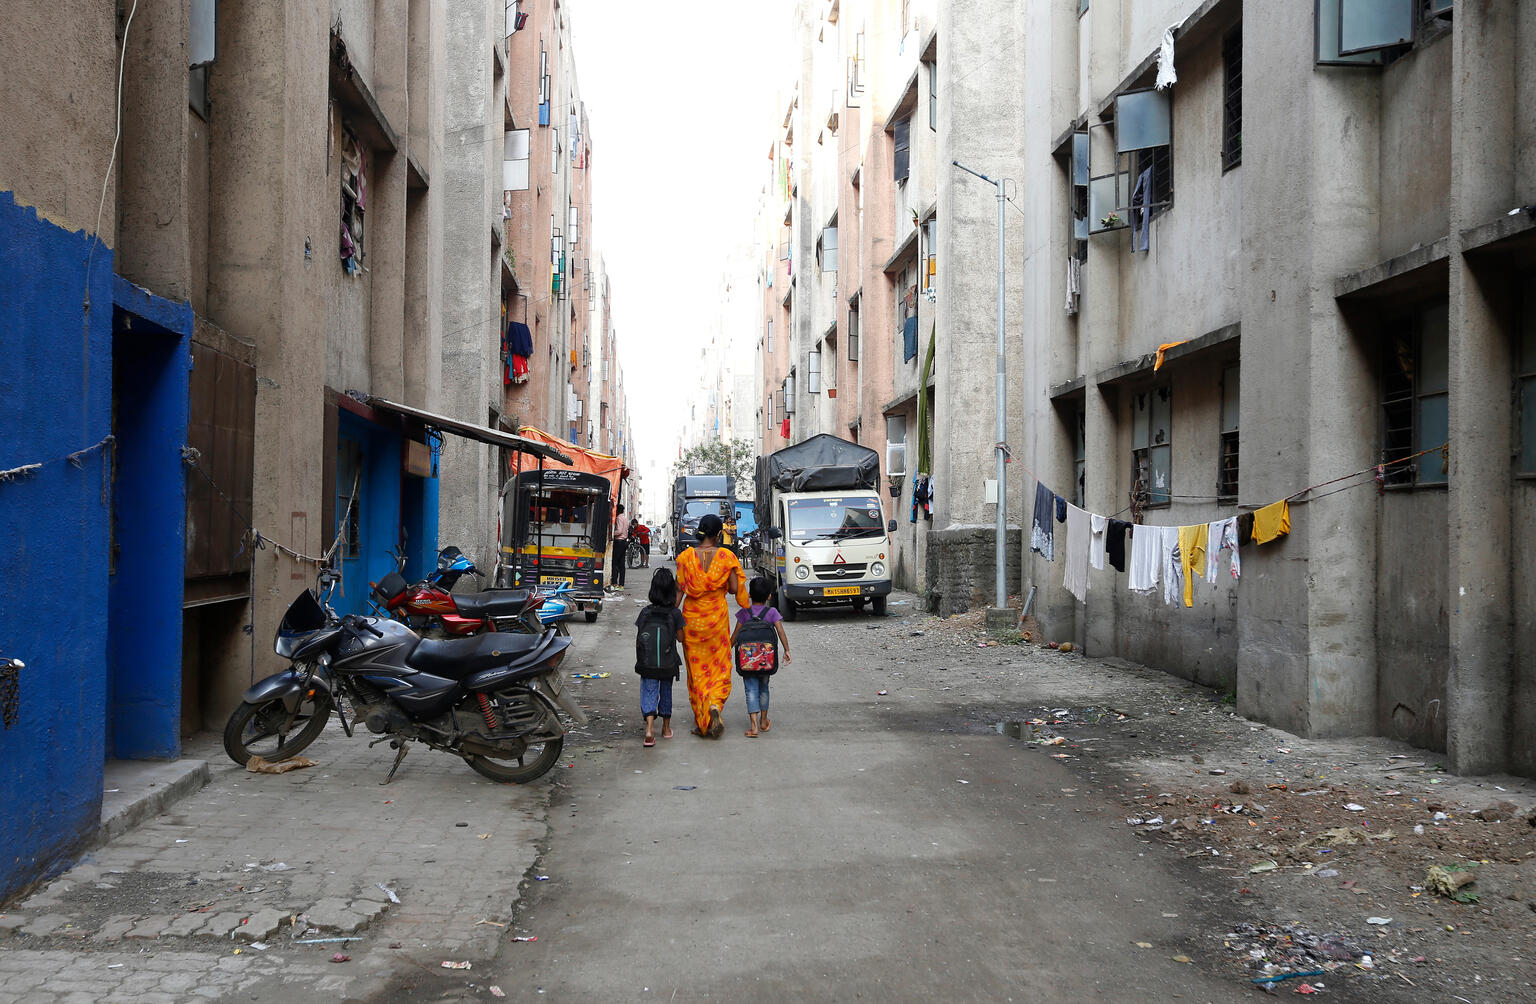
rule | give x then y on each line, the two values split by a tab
404	747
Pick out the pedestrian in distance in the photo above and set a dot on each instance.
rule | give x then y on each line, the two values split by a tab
641	538
758	644
658	628
620	541
706	572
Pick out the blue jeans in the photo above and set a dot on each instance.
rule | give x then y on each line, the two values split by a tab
655	697
756	687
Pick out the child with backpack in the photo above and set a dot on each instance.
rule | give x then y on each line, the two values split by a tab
757	644
660	625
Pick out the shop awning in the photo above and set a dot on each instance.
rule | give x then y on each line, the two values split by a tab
478	433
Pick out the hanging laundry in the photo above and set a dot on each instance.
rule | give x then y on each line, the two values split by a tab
1061	509
1141	211
784	428
1075	575
1166	77
1274	520
1146	558
1114	543
1042	531
922	496
1162	353
1192	545
1172	562
1244	529
1074	283
1098	531
909	339
1221	534
519	348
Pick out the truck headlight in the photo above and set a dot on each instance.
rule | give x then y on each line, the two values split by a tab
802	572
877	570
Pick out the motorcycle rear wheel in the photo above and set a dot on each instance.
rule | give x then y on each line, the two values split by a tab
253	730
526	769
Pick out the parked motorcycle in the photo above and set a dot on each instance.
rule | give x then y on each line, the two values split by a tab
431	604
494	699
559	606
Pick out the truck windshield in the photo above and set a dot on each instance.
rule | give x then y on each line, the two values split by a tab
835	518
695	509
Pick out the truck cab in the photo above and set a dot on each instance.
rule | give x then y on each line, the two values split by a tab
831	548
695	496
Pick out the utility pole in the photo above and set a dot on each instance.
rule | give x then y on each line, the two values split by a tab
1001	550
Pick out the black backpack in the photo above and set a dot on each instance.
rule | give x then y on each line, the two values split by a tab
756	649
656	645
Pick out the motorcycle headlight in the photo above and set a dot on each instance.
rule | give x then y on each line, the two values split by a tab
877	570
802	572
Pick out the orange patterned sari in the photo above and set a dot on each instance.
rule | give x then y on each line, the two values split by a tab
707	630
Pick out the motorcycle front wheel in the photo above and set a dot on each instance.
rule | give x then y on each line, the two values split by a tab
265	729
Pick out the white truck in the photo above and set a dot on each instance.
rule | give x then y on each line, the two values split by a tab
822	536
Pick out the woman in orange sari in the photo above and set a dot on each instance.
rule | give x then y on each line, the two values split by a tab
705	574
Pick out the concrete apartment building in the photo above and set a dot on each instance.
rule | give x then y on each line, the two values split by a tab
1350	290
860	334
288	278
255	273
1344	280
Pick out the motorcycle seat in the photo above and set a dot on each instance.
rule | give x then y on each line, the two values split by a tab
492	602
456	658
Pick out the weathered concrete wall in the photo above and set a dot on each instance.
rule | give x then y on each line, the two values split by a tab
1415	148
962	566
1412	617
1522	705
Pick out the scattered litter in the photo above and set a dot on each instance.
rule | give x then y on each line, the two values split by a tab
386	890
115	965
1218	772
1138	821
541	878
1282	749
590	676
1182	958
460	824
962	780
1143	944
1263	866
181	840
676	787
276	866
1307	988
497	991
1354	807
323	941
881	693
256	765
1450	880
531	937
1441	816
489	923
1327	873
1379	921
456	965
482	836
338	957
1055	741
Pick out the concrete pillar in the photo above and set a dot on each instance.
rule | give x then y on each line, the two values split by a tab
1482	172
268	148
386	263
153	245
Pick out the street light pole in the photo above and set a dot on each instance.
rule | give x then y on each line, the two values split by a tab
1000	554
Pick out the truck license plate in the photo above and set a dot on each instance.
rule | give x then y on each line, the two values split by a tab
555	580
840	591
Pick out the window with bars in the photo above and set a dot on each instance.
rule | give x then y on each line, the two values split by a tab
903	140
1525	384
1415	396
1157	163
1152	446
1226	472
1232	99
853	332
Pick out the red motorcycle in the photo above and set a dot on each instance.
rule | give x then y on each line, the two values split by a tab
431	605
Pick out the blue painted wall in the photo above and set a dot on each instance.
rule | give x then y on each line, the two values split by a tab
55	399
151	362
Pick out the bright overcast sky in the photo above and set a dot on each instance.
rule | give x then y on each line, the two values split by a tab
681	104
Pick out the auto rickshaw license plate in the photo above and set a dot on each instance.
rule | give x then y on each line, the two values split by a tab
556	580
840	591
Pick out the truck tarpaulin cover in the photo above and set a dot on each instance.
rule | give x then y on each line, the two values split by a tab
821	463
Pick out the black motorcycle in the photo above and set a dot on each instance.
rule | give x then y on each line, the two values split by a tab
494	699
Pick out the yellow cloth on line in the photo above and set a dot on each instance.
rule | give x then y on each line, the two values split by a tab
1162	351
1274	520
1192	544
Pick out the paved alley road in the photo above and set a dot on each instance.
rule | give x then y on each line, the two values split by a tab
863	847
